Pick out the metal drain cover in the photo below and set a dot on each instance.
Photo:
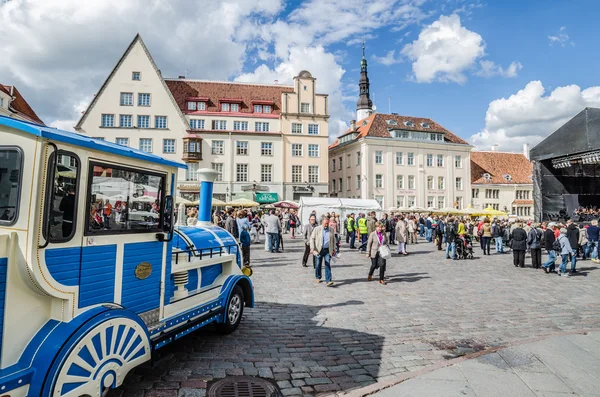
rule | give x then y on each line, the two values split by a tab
242	386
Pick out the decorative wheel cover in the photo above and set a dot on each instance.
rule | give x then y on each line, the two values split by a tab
102	358
235	307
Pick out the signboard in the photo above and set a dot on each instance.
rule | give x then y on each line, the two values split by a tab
266	198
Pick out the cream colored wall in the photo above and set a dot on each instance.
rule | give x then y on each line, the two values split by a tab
507	194
160	105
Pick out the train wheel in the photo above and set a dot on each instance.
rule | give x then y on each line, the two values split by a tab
100	360
233	311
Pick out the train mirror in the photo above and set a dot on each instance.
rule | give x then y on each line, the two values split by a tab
168	218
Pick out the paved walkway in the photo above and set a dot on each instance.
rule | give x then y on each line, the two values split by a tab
555	367
312	339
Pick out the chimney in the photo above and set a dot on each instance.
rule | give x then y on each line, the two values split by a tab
526	150
276	82
494	147
182	77
352	125
207	177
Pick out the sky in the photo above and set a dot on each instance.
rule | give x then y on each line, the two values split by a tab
496	72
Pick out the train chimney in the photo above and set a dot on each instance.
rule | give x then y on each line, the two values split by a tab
526	150
206	177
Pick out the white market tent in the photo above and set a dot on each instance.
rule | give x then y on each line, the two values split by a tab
342	206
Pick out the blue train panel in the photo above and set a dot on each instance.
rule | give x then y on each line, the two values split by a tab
209	274
141	295
63	264
3	270
192	284
97	280
169	284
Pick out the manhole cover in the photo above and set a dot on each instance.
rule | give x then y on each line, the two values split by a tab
242	386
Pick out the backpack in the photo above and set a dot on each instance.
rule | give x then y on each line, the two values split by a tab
556	245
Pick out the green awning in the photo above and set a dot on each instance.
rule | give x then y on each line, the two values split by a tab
266	198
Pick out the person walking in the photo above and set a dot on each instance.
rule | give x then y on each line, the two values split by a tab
371	221
351	230
231	225
573	236
286	221
428	229
308	229
519	245
413	230
392	229
439	233
245	242
377	239
294	223
451	234
334	227
593	233
565	250
322	245
363	231
273	230
255	228
497	236
486	236
549	246
534	242
583	241
402	235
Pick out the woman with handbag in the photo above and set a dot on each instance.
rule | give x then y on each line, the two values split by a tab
378	251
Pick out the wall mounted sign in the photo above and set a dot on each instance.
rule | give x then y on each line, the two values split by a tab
143	270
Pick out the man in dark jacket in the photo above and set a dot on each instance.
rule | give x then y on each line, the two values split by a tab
518	237
573	236
534	238
548	245
450	239
593	233
497	235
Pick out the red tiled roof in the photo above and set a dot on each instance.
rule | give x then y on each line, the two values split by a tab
20	105
498	164
522	202
377	126
217	91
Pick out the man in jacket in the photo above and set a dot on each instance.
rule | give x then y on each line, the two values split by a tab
548	245
534	239
308	229
573	236
364	232
497	235
519	245
429	229
351	230
565	251
451	239
273	229
371	221
231	224
402	235
593	233
322	245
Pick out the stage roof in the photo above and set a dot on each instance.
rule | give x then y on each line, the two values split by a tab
579	135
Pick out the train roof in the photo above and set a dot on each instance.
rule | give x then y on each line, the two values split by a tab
84	141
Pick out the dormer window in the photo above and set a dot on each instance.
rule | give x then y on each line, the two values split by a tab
425	125
258	108
409	123
392	122
225	107
487	177
136	76
193	104
267	109
507	177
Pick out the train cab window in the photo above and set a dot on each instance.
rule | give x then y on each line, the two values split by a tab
62	188
124	200
11	165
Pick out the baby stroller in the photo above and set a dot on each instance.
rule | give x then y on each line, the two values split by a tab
464	247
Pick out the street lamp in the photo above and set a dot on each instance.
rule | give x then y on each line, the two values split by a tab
227	193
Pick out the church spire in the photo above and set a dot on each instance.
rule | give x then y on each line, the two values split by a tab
364	106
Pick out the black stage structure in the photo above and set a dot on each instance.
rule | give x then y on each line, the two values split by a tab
566	169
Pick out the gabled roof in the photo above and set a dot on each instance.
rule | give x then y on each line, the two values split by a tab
216	92
136	39
84	141
19	104
377	125
499	164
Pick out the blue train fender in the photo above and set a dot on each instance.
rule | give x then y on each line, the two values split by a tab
245	283
95	355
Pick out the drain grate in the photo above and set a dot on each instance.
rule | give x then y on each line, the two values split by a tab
242	386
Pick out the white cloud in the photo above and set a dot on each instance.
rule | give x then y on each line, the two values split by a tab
388	59
444	50
561	38
490	69
530	116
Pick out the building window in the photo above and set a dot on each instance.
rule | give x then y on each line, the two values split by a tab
492	193
410	159
297	150
225	107
340	187
160	122
296	128
266	148
219	125
143	99
340	160
459	202
399	158
191	105
234	107
333	185
261	126
201	105
440	160
125	121
313	174
126	99
411	201
441	184
257	109
430	201
429	160
475	193
219	168
378	157
459	183
378	181
122	141
496	206
267	109
197	124
266	173
522	195
441	202
146	145
108	120
400	201
191	173
357	158
240	126
143	122
430	184
241	172
305	107
348	160
358	181
296	174
241	148
333	165
348	183
168	145
313	150
136	76
313	129
458	161
399	181
411	182
218	147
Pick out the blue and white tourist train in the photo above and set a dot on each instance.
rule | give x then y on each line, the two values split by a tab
93	274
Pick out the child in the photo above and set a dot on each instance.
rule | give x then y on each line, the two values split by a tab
245	240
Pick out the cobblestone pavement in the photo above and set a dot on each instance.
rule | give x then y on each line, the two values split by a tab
312	339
